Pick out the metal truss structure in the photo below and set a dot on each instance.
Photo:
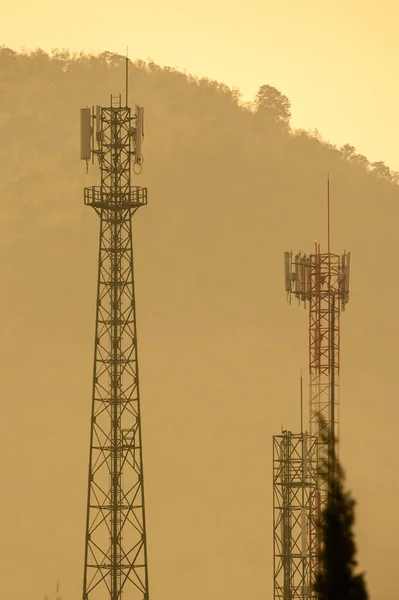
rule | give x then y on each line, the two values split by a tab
321	281
115	550
294	514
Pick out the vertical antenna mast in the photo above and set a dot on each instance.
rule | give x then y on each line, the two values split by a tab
328	211
127	74
301	405
332	393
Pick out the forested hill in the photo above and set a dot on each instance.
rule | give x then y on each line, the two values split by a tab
230	187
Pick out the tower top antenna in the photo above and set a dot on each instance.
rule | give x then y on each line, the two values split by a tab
127	74
301	396
328	211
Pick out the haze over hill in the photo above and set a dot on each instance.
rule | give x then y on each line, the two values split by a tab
334	62
230	187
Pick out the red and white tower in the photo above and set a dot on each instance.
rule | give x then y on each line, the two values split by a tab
320	281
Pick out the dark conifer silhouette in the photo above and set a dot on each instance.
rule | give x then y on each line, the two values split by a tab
336	579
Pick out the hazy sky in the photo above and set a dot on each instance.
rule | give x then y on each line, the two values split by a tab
210	403
336	62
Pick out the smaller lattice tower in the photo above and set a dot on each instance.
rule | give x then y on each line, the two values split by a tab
294	489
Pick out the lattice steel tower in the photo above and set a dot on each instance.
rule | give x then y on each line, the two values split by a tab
116	552
294	487
321	281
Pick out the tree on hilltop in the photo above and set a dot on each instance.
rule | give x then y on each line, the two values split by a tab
381	169
270	101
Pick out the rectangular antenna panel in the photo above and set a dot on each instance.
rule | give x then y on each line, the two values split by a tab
297	259
98	119
139	133
85	133
347	271
99	131
303	275
140	121
287	271
300	277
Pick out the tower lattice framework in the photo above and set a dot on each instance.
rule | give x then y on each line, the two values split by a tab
321	282
294	489
115	546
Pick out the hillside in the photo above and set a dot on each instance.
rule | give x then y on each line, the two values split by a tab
229	189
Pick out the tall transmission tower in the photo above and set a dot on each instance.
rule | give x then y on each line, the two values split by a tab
321	283
115	545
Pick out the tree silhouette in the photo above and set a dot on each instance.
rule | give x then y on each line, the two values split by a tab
336	579
270	100
360	159
348	151
381	169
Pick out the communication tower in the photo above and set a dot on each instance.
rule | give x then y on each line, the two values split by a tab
320	281
294	489
115	545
